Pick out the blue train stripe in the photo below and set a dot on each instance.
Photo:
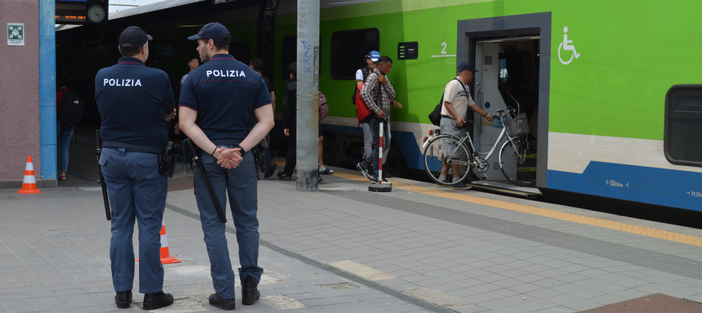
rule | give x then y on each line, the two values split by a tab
634	183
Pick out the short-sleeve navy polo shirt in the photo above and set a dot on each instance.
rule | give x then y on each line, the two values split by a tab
132	100
225	93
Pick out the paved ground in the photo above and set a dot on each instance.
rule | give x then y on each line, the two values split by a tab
344	249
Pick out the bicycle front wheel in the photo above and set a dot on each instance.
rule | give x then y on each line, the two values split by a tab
518	161
445	151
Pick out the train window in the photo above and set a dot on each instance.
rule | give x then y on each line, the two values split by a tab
683	125
289	54
348	48
241	51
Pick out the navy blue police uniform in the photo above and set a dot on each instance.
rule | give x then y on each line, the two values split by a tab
132	100
225	92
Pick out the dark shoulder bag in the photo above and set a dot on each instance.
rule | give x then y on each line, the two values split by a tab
435	116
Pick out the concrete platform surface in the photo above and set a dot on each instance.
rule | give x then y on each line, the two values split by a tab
345	249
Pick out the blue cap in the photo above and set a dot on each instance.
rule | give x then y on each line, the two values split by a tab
466	66
373	55
214	31
134	36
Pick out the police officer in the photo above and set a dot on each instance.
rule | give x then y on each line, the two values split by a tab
133	101
218	103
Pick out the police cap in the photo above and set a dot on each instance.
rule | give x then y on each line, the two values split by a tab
214	31
133	36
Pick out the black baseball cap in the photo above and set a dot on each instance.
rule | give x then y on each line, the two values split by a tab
214	31
134	36
466	66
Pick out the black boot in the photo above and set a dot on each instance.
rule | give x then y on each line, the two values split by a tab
123	299
249	292
224	304
153	301
271	169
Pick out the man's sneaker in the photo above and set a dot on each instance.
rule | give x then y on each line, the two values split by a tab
319	179
249	292
326	171
153	301
461	186
283	176
224	304
270	170
444	186
364	170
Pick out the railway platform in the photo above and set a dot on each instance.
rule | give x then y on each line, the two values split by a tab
344	249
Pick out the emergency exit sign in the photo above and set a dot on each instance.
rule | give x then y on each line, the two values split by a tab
15	34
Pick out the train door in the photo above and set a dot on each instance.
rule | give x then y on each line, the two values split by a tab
512	55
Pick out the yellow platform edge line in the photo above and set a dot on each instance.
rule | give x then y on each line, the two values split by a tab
570	217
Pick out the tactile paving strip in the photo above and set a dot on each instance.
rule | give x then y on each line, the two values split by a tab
655	303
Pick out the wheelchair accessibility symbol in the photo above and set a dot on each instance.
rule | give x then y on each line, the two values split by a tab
567	45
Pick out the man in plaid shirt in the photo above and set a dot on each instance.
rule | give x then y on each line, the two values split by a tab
377	93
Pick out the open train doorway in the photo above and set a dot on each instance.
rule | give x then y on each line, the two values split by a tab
511	55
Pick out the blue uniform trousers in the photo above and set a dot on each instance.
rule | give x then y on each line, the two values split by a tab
241	184
136	189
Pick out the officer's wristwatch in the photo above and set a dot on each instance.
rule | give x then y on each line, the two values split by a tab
241	149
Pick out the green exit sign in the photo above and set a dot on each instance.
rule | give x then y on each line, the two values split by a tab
15	34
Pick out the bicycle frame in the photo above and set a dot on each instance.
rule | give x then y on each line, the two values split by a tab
478	161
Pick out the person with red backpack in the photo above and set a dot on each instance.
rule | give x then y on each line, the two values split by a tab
377	93
361	75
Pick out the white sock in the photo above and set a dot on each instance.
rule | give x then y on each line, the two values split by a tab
322	168
442	177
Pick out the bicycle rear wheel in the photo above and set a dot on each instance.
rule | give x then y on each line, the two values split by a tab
434	159
518	161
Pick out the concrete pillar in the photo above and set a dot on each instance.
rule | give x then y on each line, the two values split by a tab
307	94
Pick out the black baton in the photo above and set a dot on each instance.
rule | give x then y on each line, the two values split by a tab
105	196
198	163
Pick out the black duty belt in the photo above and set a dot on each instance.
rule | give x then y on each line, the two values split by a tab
131	150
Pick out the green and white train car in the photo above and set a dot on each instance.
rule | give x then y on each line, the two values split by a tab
611	118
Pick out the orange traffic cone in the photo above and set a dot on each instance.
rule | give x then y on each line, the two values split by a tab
166	257
30	184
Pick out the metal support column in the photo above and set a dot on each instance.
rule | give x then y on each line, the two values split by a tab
307	94
47	92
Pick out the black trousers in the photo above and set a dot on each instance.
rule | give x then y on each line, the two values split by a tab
291	157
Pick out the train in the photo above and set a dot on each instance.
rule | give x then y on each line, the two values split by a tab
611	118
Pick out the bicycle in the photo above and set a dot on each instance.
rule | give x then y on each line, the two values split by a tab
517	157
